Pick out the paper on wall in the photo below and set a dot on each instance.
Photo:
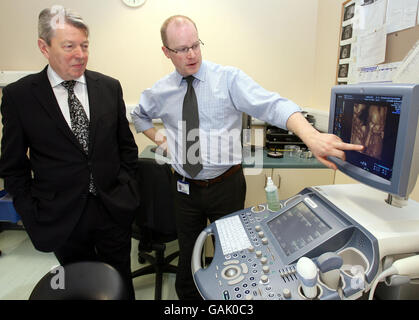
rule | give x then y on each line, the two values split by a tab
401	14
379	73
372	15
371	47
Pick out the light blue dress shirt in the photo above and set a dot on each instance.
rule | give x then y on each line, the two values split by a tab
223	93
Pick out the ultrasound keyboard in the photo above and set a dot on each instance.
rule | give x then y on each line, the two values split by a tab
256	251
232	235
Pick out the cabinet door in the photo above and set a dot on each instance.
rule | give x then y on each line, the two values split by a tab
341	178
256	182
292	181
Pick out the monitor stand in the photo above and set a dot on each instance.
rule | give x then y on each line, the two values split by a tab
396	201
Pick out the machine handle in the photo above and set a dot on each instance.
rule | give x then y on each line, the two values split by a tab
197	249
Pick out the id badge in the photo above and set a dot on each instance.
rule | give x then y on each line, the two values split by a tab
183	187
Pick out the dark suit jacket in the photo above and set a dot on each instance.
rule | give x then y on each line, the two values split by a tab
50	183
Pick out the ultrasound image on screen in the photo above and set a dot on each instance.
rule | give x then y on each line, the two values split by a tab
368	125
371	121
296	228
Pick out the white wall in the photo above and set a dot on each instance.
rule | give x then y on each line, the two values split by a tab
274	41
327	48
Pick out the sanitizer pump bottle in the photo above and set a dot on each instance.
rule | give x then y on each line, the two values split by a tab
272	195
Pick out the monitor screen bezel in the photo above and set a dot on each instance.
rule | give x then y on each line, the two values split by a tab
405	142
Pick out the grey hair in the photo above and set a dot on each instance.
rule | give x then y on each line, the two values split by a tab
178	19
55	17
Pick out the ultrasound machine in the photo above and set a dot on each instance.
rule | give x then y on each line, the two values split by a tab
337	241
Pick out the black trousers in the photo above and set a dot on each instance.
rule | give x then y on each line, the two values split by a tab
97	237
192	212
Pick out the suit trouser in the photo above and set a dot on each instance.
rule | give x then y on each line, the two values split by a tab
192	211
97	237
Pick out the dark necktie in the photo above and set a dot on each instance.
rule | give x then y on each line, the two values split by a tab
190	116
79	123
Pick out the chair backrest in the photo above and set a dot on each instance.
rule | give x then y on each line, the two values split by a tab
156	211
81	281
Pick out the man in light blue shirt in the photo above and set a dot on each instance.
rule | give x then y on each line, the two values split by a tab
222	94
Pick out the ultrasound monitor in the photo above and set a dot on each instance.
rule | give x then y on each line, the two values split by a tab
384	118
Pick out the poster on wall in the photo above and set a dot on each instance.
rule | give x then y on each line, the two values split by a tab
365	26
363	38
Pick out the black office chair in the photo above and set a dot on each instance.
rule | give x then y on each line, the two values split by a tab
157	209
81	281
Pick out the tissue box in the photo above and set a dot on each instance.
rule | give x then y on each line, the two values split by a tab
7	210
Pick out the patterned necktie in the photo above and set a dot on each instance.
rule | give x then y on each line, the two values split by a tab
190	116
79	123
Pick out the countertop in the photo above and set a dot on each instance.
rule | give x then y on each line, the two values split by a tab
258	159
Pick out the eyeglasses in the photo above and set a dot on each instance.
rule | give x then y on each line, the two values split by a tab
184	51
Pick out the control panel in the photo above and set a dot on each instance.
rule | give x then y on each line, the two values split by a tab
308	249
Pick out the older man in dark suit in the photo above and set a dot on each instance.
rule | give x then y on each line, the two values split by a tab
74	189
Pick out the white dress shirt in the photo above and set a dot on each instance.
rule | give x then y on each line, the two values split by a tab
61	93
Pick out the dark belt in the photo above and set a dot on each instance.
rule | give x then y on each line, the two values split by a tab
221	177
